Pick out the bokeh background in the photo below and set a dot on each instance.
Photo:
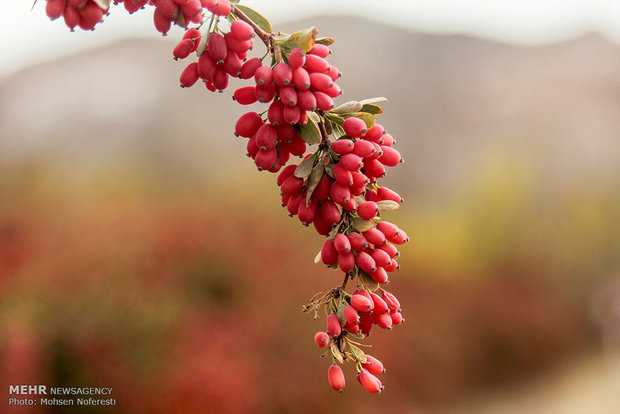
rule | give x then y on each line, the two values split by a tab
141	250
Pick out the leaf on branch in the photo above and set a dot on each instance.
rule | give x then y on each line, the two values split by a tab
348	107
336	353
256	17
387	205
327	41
367	282
303	39
317	258
359	354
371	109
314	116
304	168
373	100
103	4
179	19
310	132
313	181
361	224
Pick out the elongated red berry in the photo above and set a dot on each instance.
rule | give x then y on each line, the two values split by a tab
323	101
216	47
306	100
282	75
248	124
297	58
373	168
307	212
380	257
390	157
368	210
374	237
389	229
392	266
320	82
320	224
335	377
263	75
291	114
363	148
350	314
241	30
366	323
342	175
238	46
265	160
351	162
390	249
397	318
321	192
292	185
333	325
342	146
379	305
369	381
220	78
340	194
373	365
245	95
391	301
329	254
385	193
288	95
71	16
354	127
365	262
342	244
232	64
319	50
265	93
388	141
361	303
55	8
380	275
375	133
315	63
358	242
206	66
248	69
161	22
183	49
383	320
346	261
330	212
189	76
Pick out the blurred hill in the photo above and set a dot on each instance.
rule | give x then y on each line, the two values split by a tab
453	101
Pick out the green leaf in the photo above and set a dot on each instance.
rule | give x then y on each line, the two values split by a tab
361	224
303	39
256	17
359	354
367	281
103	4
314	116
348	107
310	132
304	168
313	181
338	130
327	41
371	109
387	205
369	119
373	100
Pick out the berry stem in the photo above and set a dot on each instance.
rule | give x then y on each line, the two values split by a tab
324	136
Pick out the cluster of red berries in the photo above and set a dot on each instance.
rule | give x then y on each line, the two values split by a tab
83	13
223	56
334	188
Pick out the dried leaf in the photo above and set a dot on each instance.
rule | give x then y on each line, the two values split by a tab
361	224
256	17
303	39
359	354
304	168
367	282
373	100
327	41
317	259
348	107
387	205
103	4
336	352
313	181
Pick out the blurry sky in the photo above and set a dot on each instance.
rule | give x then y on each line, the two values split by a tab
28	37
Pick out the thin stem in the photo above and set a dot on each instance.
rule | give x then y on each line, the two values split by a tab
344	282
324	136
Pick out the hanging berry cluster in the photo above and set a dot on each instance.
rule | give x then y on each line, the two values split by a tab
335	186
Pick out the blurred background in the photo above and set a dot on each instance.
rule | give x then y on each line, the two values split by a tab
141	250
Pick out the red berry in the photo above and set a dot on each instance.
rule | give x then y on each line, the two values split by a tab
350	314
379	304
392	266
265	160
383	320
306	100
323	101
354	127
287	172
329	254
375	133
319	50
194	35
361	303
297	58
335	377
358	242
282	75
385	193
265	93
397	318
321	226
315	63
380	257
71	16
333	325
321	339
55	8
307	212
369	381
390	157
342	146
292	185
216	47
388	141
275	115
373	168
346	261
263	75
248	69
373	365
391	301
288	95
189	76
245	95
232	64
321	192
168	8
183	49
363	148
162	23
390	249
368	210
374	237
320	82
365	323
220	79
365	262
351	162
330	212
342	244
206	66
380	275
390	230
342	175
248	124
291	114
241	30
340	194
